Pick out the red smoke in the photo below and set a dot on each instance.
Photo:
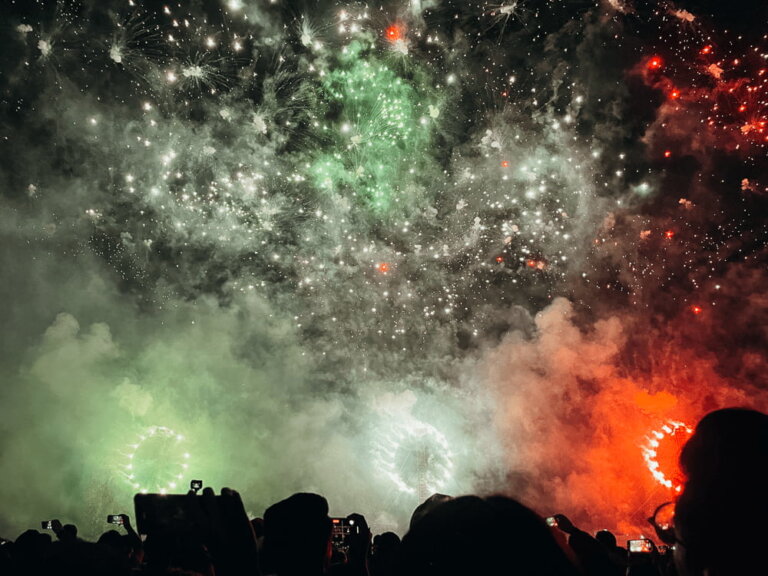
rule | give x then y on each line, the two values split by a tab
576	405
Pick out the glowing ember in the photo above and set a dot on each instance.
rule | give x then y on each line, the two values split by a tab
535	264
394	33
655	63
662	452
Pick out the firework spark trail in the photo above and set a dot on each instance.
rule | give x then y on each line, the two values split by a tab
259	217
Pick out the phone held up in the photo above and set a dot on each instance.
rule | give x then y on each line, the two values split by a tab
341	529
640	546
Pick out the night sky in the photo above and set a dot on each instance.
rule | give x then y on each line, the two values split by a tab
375	250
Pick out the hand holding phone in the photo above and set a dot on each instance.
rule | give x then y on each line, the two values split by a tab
220	522
640	546
54	525
563	523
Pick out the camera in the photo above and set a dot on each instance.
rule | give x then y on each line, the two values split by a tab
641	546
196	485
47	524
551	521
115	519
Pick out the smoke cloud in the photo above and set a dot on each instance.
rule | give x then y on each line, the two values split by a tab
372	251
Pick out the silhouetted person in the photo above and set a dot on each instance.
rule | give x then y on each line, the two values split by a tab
720	517
355	560
111	539
425	507
6	553
594	557
616	554
606	538
384	559
297	537
80	558
29	551
65	533
471	535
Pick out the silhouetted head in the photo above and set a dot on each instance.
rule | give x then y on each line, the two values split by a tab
32	545
297	534
725	447
111	539
84	559
425	507
720	517
69	532
385	554
386	541
472	535
606	538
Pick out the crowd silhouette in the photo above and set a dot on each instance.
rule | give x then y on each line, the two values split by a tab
716	527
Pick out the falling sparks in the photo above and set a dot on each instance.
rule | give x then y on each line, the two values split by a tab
368	198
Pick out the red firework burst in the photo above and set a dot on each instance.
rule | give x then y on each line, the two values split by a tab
394	33
662	452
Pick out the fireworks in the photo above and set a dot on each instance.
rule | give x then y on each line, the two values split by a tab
662	451
416	458
380	130
375	198
157	461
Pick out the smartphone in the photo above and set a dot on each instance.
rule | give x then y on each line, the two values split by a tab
341	528
163	513
115	519
47	524
641	546
551	521
196	485
176	513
